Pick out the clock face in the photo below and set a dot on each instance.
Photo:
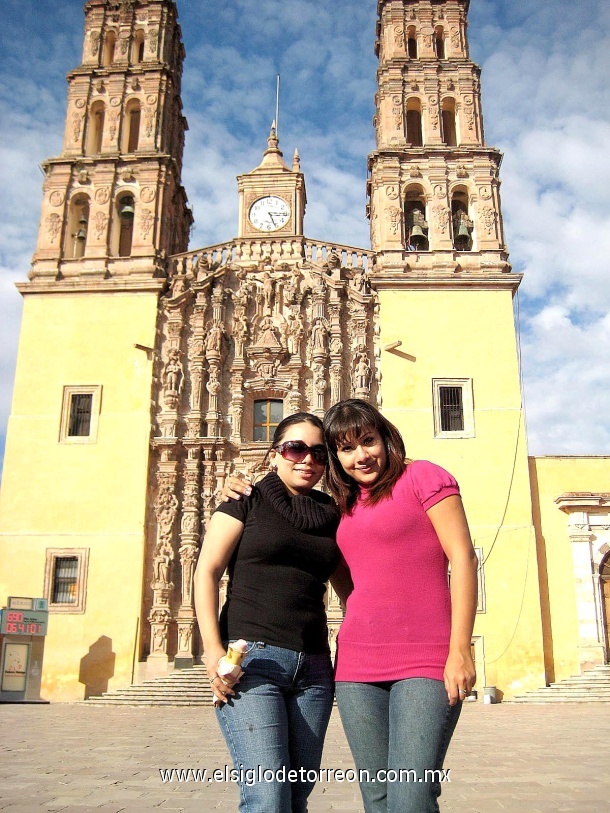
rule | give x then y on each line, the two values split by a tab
269	213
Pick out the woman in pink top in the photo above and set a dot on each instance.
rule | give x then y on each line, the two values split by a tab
404	661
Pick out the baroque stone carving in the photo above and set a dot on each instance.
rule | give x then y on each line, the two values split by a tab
100	223
393	214
147	220
53	224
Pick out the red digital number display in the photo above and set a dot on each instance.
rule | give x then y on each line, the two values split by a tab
17	622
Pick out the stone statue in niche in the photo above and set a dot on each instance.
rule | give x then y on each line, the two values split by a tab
268	285
240	333
318	337
214	338
173	375
361	282
292	287
296	331
241	296
362	371
267	335
162	564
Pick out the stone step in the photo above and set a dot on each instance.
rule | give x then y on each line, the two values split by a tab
186	687
590	687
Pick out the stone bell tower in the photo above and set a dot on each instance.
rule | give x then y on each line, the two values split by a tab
449	367
434	187
114	206
76	473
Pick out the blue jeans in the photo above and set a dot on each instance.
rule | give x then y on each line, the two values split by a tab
277	721
399	725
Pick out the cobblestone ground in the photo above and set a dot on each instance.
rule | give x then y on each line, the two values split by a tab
74	758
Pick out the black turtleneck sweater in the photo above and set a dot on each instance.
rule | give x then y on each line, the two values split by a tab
278	571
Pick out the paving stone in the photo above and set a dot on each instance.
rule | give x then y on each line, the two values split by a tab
76	758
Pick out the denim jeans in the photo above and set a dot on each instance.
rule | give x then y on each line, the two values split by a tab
394	726
277	721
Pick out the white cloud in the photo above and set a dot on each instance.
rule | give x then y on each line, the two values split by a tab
545	97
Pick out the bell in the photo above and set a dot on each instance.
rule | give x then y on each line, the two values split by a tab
81	234
417	237
463	240
126	209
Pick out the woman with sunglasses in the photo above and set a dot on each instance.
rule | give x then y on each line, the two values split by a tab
279	546
404	661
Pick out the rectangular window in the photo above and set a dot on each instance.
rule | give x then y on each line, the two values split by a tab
79	415
267	415
453	407
65	579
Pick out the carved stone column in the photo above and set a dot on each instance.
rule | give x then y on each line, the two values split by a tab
166	509
189	537
591	646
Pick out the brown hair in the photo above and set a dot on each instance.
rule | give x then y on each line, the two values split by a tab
349	420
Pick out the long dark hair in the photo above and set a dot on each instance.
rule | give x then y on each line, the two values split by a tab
349	420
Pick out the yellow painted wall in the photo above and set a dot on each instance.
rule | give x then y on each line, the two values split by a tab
551	477
470	334
64	495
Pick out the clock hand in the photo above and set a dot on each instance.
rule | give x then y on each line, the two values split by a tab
271	218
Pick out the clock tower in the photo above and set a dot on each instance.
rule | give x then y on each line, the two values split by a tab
272	197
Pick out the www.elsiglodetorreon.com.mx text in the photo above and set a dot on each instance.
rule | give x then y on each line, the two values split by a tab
250	776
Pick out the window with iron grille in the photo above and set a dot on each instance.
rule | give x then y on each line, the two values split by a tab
452	411
65	579
453	407
79	415
267	415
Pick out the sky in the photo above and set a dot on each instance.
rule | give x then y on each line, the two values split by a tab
546	103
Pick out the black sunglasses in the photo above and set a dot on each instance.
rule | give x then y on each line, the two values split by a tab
297	450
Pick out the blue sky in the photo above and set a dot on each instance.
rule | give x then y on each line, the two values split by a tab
546	99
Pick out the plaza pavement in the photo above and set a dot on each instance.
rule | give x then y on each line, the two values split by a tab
509	758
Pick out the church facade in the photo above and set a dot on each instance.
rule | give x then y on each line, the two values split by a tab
148	371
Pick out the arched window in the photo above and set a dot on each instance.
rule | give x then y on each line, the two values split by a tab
131	131
416	225
267	414
414	130
461	223
448	119
412	42
109	48
137	53
122	237
439	43
95	132
78	223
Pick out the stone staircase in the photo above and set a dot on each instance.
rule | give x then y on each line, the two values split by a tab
184	687
590	687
